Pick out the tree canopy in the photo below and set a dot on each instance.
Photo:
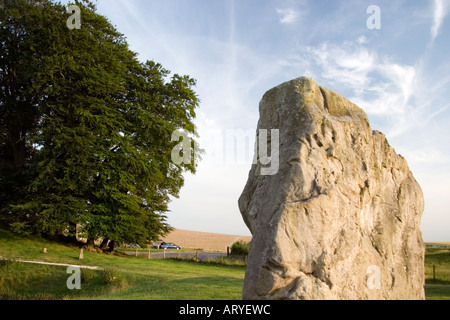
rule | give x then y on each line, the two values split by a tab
85	127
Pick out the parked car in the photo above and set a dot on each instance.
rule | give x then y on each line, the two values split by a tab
170	246
157	245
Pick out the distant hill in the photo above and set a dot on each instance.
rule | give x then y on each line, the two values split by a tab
204	240
437	244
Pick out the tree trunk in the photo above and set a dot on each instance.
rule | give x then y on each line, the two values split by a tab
104	244
112	246
17	144
90	243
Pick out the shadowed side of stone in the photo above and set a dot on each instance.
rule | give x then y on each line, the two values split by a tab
341	218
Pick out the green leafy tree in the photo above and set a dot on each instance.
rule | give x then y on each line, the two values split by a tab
85	127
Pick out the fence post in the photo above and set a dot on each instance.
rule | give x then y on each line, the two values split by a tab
149	253
164	253
81	256
196	256
136	252
434	272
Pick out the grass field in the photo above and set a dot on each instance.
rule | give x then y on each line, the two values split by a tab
132	278
124	278
438	288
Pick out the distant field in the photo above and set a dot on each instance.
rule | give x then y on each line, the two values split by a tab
442	243
204	240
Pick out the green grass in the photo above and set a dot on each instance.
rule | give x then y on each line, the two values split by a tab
438	289
40	282
136	278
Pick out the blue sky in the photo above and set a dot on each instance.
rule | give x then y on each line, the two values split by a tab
237	50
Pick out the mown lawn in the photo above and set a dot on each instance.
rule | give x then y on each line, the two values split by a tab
133	278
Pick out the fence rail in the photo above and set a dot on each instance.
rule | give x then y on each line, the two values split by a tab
194	255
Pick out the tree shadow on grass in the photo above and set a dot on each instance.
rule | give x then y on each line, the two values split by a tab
437	291
442	282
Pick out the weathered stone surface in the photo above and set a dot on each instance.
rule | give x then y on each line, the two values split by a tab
341	218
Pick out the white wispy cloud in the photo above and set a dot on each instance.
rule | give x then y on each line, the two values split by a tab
362	40
441	9
288	15
427	155
384	88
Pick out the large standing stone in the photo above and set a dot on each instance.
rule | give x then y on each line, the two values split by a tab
341	218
